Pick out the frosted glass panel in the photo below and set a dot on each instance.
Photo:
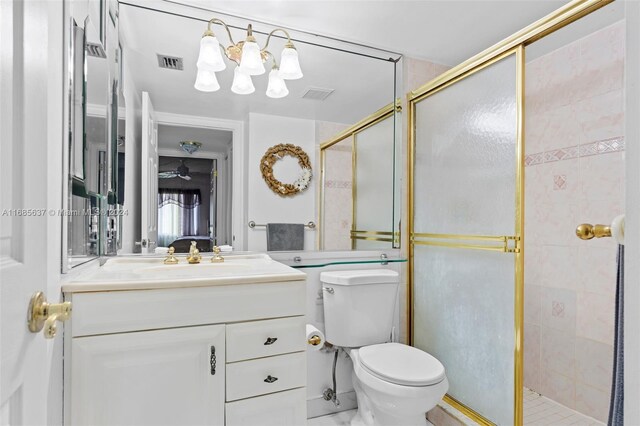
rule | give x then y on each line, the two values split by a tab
464	316
466	155
374	178
465	176
337	195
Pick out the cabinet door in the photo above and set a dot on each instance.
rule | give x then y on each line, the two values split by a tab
161	377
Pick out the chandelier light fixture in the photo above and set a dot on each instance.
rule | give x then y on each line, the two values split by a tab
249	59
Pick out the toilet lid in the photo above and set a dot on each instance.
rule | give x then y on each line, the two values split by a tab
401	364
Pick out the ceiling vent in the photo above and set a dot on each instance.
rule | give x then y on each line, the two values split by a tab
170	62
95	50
317	93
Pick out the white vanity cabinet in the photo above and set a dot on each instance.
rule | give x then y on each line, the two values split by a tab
212	355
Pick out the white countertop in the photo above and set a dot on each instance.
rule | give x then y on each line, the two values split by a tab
149	272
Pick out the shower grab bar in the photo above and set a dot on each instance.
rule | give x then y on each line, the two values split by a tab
587	231
252	224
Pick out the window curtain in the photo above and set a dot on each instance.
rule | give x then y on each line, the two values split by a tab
178	213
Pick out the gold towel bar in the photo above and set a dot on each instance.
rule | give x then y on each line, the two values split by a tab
252	225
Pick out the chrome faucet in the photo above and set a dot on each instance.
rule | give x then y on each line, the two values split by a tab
194	254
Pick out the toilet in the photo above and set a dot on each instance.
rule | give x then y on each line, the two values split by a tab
395	384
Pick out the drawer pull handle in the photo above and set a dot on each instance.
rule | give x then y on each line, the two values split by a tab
270	340
212	360
270	379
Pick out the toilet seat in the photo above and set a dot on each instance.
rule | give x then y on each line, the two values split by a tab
401	364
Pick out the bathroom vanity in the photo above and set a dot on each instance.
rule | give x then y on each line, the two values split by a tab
206	344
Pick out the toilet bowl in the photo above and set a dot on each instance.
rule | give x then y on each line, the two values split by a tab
395	384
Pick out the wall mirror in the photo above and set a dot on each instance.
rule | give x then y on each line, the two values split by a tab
345	99
91	123
358	180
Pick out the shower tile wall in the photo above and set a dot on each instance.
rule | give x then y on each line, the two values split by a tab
574	174
337	187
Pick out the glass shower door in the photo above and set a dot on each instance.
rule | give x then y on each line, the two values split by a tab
466	234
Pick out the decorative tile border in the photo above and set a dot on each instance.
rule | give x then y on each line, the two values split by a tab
604	146
338	184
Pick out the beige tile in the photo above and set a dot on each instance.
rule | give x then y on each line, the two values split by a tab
559	309
592	402
563	129
532	302
558	351
558	388
595	316
556	271
532	356
594	363
601	117
596	269
602	61
439	417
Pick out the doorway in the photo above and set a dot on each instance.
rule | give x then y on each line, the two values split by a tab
194	187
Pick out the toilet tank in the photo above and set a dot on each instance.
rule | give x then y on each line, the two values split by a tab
359	306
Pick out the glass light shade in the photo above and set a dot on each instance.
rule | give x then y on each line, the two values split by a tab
277	87
289	64
210	57
206	81
251	61
242	84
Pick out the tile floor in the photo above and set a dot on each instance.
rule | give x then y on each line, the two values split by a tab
342	418
541	411
538	411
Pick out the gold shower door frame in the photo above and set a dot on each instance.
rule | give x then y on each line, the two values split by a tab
513	45
352	132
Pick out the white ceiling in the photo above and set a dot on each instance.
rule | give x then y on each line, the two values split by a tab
213	140
446	32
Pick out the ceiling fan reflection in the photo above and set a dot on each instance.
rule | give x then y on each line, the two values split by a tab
182	171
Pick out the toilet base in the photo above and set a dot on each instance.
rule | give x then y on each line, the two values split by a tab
384	411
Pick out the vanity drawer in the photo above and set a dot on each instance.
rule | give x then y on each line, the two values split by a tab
266	375
288	408
258	339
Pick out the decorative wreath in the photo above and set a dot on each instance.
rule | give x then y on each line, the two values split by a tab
277	152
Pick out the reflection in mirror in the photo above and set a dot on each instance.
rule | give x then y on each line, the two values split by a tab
341	84
358	183
89	152
96	106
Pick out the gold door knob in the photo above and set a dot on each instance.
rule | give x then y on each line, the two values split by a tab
43	314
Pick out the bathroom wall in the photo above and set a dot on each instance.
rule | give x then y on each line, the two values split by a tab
574	173
264	206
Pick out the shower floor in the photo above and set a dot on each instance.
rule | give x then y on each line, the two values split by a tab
542	411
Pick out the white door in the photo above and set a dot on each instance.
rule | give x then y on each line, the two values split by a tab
149	209
161	377
25	141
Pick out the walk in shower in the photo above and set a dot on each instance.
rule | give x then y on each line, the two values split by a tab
508	152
